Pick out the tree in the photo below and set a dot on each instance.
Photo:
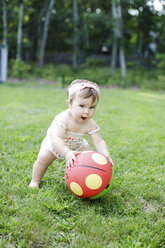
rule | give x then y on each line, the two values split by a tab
118	38
4	19
81	27
75	35
19	33
45	33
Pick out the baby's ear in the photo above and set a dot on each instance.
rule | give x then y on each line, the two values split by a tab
69	103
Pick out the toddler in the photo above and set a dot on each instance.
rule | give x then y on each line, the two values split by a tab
65	136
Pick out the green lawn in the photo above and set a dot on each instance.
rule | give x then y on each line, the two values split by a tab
130	215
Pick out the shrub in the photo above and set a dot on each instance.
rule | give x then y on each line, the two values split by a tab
52	72
161	61
91	61
64	75
19	69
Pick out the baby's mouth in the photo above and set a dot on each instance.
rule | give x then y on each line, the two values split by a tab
83	118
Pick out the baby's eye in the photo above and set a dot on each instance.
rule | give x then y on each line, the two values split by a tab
81	105
92	107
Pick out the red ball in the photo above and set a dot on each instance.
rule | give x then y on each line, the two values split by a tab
90	175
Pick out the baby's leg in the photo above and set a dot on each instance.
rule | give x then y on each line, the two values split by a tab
44	159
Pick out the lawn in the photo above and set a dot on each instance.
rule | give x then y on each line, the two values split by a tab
132	123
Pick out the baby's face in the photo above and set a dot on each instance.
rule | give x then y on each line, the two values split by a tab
82	109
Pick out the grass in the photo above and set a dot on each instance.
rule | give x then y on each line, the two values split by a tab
130	215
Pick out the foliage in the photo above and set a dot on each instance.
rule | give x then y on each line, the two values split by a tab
19	69
64	74
95	28
130	215
91	61
161	61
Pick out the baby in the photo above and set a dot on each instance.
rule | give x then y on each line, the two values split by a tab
65	136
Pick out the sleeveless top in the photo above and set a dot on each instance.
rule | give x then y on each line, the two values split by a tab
73	141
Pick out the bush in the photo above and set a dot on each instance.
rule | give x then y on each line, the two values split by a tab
161	61
64	75
95	62
145	79
96	74
52	72
19	69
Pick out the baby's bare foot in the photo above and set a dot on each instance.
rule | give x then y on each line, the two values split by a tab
34	184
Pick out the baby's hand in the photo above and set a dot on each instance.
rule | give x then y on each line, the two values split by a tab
70	157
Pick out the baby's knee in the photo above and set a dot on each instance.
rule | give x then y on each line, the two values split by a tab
41	159
45	158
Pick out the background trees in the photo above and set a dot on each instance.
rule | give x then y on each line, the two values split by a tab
19	32
118	31
4	22
45	32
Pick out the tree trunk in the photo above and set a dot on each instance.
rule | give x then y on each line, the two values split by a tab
4	19
121	48
39	28
118	39
113	57
75	35
122	63
115	34
45	34
19	35
140	49
85	33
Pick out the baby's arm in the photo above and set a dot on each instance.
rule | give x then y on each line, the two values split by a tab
57	140
100	145
59	144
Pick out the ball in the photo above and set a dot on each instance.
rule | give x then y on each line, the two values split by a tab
91	175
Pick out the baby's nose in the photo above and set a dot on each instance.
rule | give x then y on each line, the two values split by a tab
86	110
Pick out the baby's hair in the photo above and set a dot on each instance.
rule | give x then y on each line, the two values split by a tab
86	92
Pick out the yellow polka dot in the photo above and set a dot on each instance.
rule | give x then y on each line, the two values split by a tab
93	181
75	187
99	159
